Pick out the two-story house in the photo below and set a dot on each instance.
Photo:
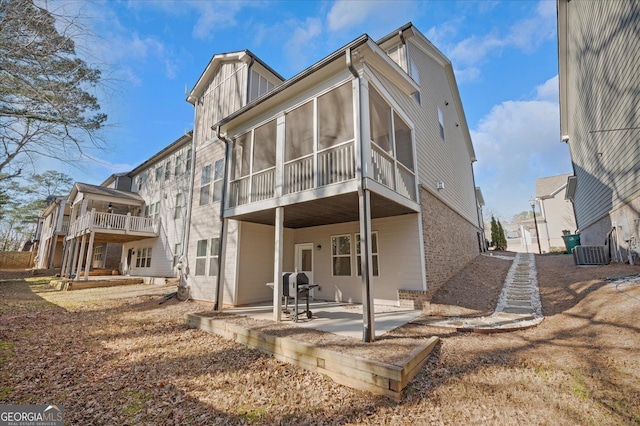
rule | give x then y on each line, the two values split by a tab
357	171
599	117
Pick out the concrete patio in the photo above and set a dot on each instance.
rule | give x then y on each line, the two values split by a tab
344	319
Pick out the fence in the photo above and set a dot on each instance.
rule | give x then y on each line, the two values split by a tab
16	259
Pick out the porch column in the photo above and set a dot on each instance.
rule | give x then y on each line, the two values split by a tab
76	248
87	264
363	139
277	264
80	256
65	256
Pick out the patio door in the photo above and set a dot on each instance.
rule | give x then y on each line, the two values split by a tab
304	261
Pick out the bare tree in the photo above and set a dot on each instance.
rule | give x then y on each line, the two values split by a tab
46	108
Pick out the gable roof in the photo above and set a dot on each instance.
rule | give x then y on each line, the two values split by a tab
104	192
245	56
547	187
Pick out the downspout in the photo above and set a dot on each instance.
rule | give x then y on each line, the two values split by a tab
187	221
217	305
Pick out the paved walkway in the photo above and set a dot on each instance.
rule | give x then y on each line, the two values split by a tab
518	305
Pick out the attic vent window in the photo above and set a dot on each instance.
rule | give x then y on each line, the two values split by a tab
572	184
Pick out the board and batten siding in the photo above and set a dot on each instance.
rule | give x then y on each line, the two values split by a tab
225	94
445	160
603	48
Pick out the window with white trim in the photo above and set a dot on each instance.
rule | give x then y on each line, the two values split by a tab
98	254
213	257
177	169
374	254
205	187
341	255
441	122
177	253
218	174
143	258
187	166
153	211
167	170
201	258
177	211
158	173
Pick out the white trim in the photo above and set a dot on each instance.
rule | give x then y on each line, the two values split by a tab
331	255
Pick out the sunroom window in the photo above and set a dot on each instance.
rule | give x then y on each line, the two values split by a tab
335	117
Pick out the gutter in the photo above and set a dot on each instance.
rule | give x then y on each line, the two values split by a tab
217	304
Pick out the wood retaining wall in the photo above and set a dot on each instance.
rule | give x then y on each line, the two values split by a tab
345	369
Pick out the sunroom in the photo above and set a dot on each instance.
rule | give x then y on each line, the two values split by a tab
328	161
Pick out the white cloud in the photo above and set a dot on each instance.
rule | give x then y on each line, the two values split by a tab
467	74
516	143
346	14
525	35
300	42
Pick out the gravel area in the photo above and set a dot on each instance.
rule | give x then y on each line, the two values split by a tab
115	356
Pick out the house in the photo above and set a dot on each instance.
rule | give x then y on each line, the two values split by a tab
556	212
52	229
600	116
133	222
357	171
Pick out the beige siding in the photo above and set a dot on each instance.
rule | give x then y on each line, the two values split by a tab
255	266
603	80
225	94
445	160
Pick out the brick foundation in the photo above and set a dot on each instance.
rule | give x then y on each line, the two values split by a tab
414	299
450	242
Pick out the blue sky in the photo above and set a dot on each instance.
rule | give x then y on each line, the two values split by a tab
504	55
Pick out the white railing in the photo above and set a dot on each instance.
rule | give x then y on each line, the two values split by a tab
382	167
336	164
239	192
65	226
263	185
406	182
100	221
298	175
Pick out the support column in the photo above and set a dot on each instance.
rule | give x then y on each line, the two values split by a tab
65	255
368	332
87	264
277	264
80	256
76	248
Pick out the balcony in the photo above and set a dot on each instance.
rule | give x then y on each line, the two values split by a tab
115	227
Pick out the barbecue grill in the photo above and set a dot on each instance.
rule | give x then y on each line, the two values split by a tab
296	285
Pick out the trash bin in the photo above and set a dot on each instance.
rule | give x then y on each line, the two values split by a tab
570	241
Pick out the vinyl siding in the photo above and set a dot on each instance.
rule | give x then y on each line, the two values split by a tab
255	266
602	94
445	160
225	94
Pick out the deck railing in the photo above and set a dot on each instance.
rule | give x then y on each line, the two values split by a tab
336	164
382	167
298	175
113	222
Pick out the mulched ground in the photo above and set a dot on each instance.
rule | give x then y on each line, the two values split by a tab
115	356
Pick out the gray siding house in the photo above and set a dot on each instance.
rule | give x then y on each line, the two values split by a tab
599	58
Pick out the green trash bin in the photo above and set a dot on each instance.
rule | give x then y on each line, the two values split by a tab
570	241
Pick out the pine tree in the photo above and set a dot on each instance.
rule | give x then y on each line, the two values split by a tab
494	232
502	240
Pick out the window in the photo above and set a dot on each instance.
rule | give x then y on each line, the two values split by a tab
177	253
158	173
341	255
177	212
397	54
335	116
241	156
374	254
97	254
201	258
441	122
380	123
152	210
218	174
187	166
416	77
259	85
299	132
205	179
213	257
143	258
264	153
178	167
404	147
167	171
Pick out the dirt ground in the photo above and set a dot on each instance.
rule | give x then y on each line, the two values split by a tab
115	356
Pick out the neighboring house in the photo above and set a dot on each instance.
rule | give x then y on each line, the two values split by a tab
365	155
52	229
556	212
600	115
133	222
